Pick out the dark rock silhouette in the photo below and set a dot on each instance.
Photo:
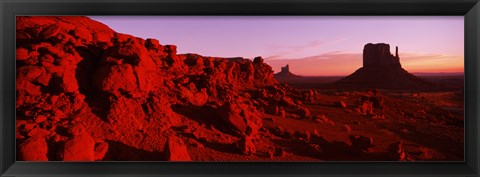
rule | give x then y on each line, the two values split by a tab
379	56
383	70
285	72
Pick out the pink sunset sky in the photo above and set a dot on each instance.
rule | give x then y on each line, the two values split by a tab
311	45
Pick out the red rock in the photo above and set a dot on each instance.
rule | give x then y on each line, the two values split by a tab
361	142
76	130
69	82
80	148
305	136
29	127
22	54
193	97
51	31
115	79
103	37
272	109
152	44
171	49
176	150
40	119
342	104
83	34
309	95
241	117
38	132
366	108
246	146
282	113
315	149
58	113
100	150
324	120
81	71
126	113
258	60
348	129
271	154
304	112
287	101
33	149
396	152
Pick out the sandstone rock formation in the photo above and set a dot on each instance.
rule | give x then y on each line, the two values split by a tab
285	72
383	70
131	92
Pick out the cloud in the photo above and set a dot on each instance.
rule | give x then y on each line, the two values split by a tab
285	51
416	62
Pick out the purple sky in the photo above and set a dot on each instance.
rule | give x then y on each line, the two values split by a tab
312	45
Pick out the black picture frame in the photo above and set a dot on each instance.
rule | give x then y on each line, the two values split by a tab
470	9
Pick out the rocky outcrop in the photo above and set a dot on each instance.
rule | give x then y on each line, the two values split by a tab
285	73
73	70
383	70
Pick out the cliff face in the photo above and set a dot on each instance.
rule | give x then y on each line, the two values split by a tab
379	56
80	85
383	70
285	73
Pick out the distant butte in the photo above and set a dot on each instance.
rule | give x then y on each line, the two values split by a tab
383	70
285	73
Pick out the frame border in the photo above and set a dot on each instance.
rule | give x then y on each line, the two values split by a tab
470	9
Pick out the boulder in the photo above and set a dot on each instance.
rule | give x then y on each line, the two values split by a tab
365	108
22	54
396	152
272	109
287	101
361	143
176	150
242	118
115	79
245	146
309	95
258	60
33	149
79	148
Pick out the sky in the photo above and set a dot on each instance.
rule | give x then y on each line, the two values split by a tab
311	45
